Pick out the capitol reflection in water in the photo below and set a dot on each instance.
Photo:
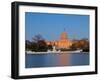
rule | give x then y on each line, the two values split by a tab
56	60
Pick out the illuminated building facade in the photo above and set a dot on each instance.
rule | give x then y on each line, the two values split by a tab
63	42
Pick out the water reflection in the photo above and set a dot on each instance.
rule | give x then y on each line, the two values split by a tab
53	60
64	59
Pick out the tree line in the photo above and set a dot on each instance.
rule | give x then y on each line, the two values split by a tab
38	44
81	44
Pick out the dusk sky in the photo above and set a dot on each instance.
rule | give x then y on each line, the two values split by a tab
50	26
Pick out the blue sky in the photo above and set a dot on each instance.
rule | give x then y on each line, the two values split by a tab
50	26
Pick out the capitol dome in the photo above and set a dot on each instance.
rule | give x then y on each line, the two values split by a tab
63	36
63	43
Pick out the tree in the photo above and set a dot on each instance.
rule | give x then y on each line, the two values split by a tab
42	46
50	47
34	46
81	44
27	45
37	44
37	38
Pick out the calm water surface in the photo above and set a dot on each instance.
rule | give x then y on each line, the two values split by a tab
53	60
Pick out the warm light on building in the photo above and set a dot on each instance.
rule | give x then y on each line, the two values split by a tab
63	42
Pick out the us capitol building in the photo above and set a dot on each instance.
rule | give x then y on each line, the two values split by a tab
62	43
